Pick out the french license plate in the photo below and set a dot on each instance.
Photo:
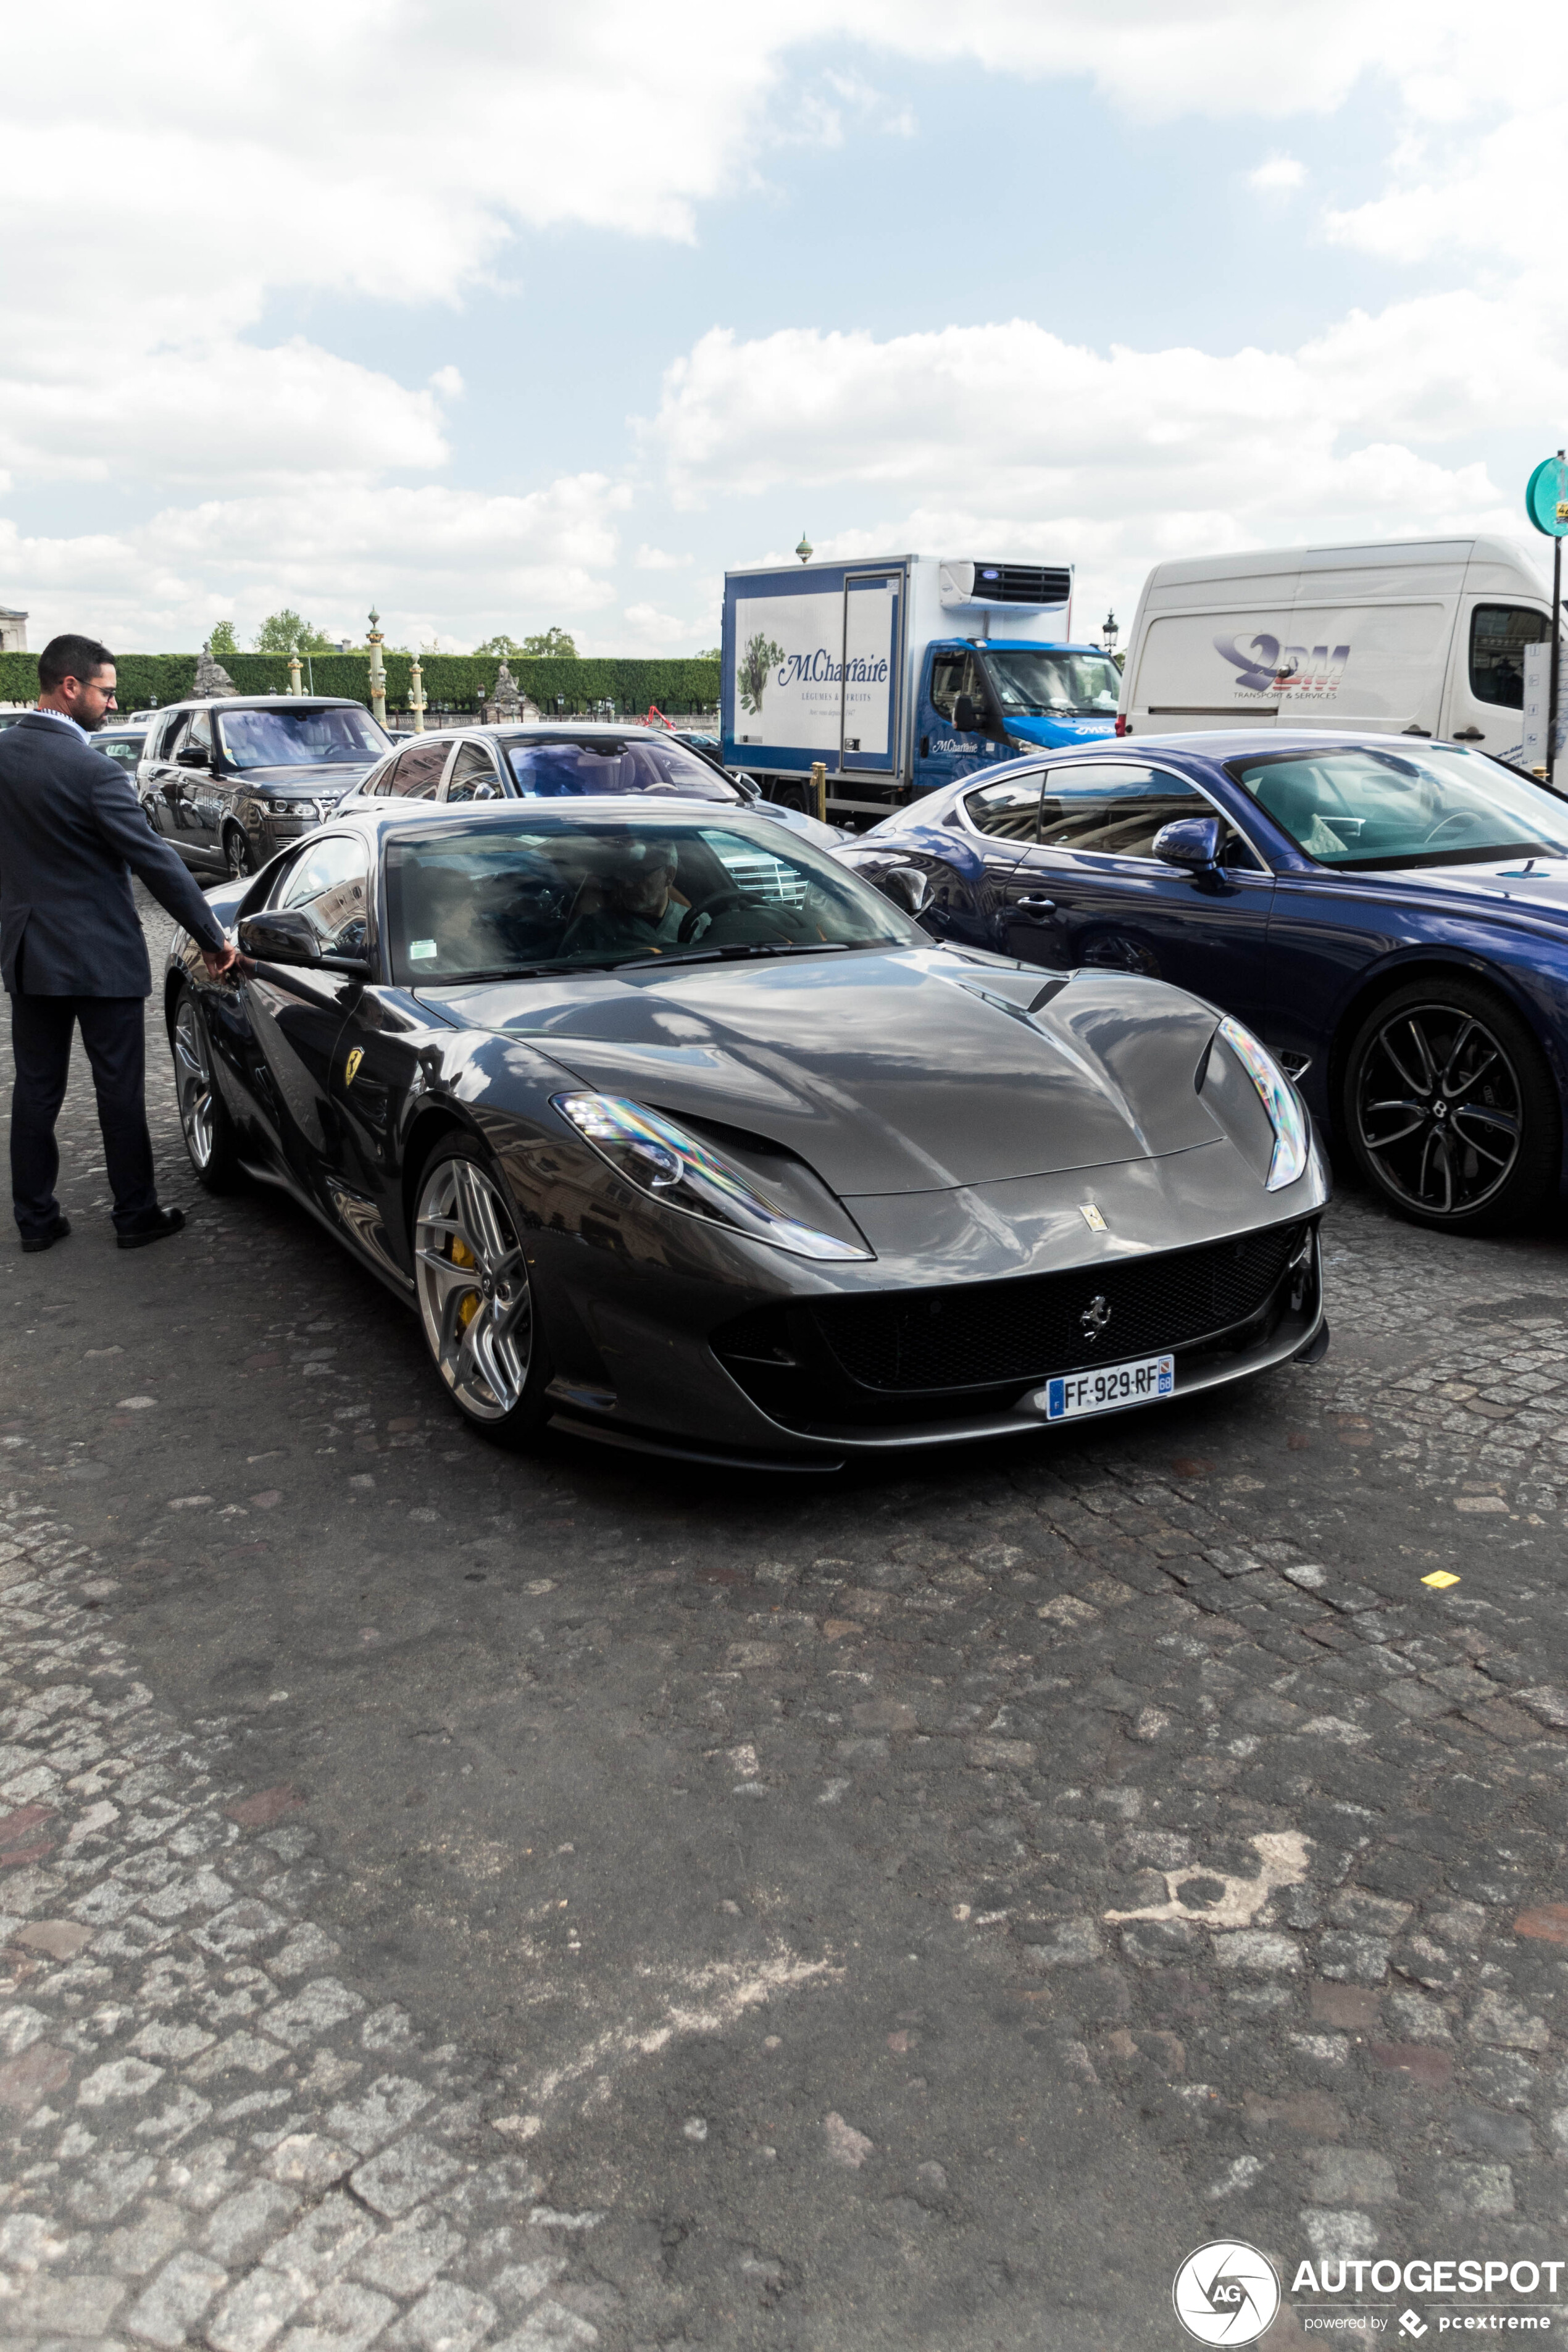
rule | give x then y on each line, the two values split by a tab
1106	1388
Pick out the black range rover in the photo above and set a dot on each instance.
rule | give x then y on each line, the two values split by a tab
228	781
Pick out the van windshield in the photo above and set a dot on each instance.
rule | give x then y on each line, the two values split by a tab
1361	807
1057	685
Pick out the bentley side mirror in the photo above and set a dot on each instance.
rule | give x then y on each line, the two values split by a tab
1193	842
747	786
907	886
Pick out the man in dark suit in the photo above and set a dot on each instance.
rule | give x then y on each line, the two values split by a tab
72	833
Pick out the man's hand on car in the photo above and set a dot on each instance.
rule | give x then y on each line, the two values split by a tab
225	960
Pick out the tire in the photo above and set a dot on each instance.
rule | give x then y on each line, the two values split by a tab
237	858
1450	1109
210	1138
484	1337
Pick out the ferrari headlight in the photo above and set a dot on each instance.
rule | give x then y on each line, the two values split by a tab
1279	1099
660	1158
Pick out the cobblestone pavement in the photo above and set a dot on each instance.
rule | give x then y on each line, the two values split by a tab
450	1901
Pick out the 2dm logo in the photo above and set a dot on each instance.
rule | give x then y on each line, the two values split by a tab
1268	668
1227	2292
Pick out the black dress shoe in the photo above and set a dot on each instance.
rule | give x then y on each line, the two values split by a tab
56	1232
158	1227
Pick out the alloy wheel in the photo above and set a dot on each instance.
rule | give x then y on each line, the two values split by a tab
237	854
1439	1108
474	1296
193	1083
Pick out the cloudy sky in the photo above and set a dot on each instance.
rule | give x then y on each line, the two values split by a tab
501	316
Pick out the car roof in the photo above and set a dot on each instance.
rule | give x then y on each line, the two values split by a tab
1218	743
631	810
556	729
262	702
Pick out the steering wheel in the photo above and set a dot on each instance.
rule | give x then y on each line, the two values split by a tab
718	904
1459	816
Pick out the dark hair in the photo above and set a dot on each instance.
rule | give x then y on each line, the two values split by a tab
72	657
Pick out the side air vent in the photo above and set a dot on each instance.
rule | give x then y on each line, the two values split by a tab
1006	583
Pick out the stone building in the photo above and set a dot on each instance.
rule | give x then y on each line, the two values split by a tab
13	632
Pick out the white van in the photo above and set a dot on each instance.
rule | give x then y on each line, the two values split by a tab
1415	636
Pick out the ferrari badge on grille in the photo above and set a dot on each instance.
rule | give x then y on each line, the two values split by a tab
350	1068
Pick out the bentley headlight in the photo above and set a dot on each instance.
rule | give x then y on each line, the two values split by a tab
660	1158
1292	1142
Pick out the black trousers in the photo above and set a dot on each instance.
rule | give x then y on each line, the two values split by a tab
113	1031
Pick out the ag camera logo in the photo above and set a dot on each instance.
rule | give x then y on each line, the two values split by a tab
1227	2292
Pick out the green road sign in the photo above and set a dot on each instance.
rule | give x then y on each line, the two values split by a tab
1546	496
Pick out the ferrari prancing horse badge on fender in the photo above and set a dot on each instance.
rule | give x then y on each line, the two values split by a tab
351	1068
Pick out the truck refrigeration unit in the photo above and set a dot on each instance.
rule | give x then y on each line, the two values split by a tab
902	674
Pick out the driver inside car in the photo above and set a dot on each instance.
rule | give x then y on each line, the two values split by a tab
641	913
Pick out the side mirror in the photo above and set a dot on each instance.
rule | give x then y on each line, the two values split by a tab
748	787
1193	842
907	886
191	758
965	717
281	935
486	791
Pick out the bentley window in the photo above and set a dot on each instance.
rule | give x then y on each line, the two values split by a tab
299	739
1113	807
416	772
494	900
547	770
1365	807
1008	810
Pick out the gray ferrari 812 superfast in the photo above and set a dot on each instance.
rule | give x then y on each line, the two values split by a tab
678	1134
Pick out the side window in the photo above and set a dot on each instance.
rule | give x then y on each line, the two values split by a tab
1498	635
473	775
1112	809
199	738
330	882
952	675
173	734
1009	811
417	771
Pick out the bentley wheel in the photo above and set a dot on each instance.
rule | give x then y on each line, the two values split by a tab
204	1121
1451	1110
237	856
476	1301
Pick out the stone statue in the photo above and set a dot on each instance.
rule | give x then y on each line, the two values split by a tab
505	696
211	675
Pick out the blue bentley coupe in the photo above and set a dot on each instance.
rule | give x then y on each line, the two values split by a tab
1389	915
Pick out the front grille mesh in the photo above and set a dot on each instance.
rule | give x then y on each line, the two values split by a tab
984	1333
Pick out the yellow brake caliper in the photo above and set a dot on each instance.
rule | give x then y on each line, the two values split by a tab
468	1305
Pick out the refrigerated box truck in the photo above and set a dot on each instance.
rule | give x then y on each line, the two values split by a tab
1415	637
901	674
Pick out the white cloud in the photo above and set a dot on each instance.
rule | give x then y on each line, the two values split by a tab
657	559
1278	175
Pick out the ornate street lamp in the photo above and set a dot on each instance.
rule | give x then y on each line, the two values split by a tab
416	694
377	669
805	551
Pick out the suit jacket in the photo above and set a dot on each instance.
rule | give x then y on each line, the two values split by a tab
72	833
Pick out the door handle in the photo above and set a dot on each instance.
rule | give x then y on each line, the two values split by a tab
1416	731
1468	735
1036	906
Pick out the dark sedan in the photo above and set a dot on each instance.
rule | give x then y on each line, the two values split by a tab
228	781
1390	917
678	1134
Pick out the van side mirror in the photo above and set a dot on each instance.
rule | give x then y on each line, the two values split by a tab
965	717
1193	842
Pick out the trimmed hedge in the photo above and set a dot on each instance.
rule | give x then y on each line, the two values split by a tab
453	678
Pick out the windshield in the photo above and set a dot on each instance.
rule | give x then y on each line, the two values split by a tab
1361	807
1054	685
604	764
488	899
300	739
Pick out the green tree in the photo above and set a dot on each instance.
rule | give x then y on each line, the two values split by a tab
551	641
223	642
497	648
286	633
710	652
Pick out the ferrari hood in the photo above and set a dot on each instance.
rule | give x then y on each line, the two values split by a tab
913	1071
